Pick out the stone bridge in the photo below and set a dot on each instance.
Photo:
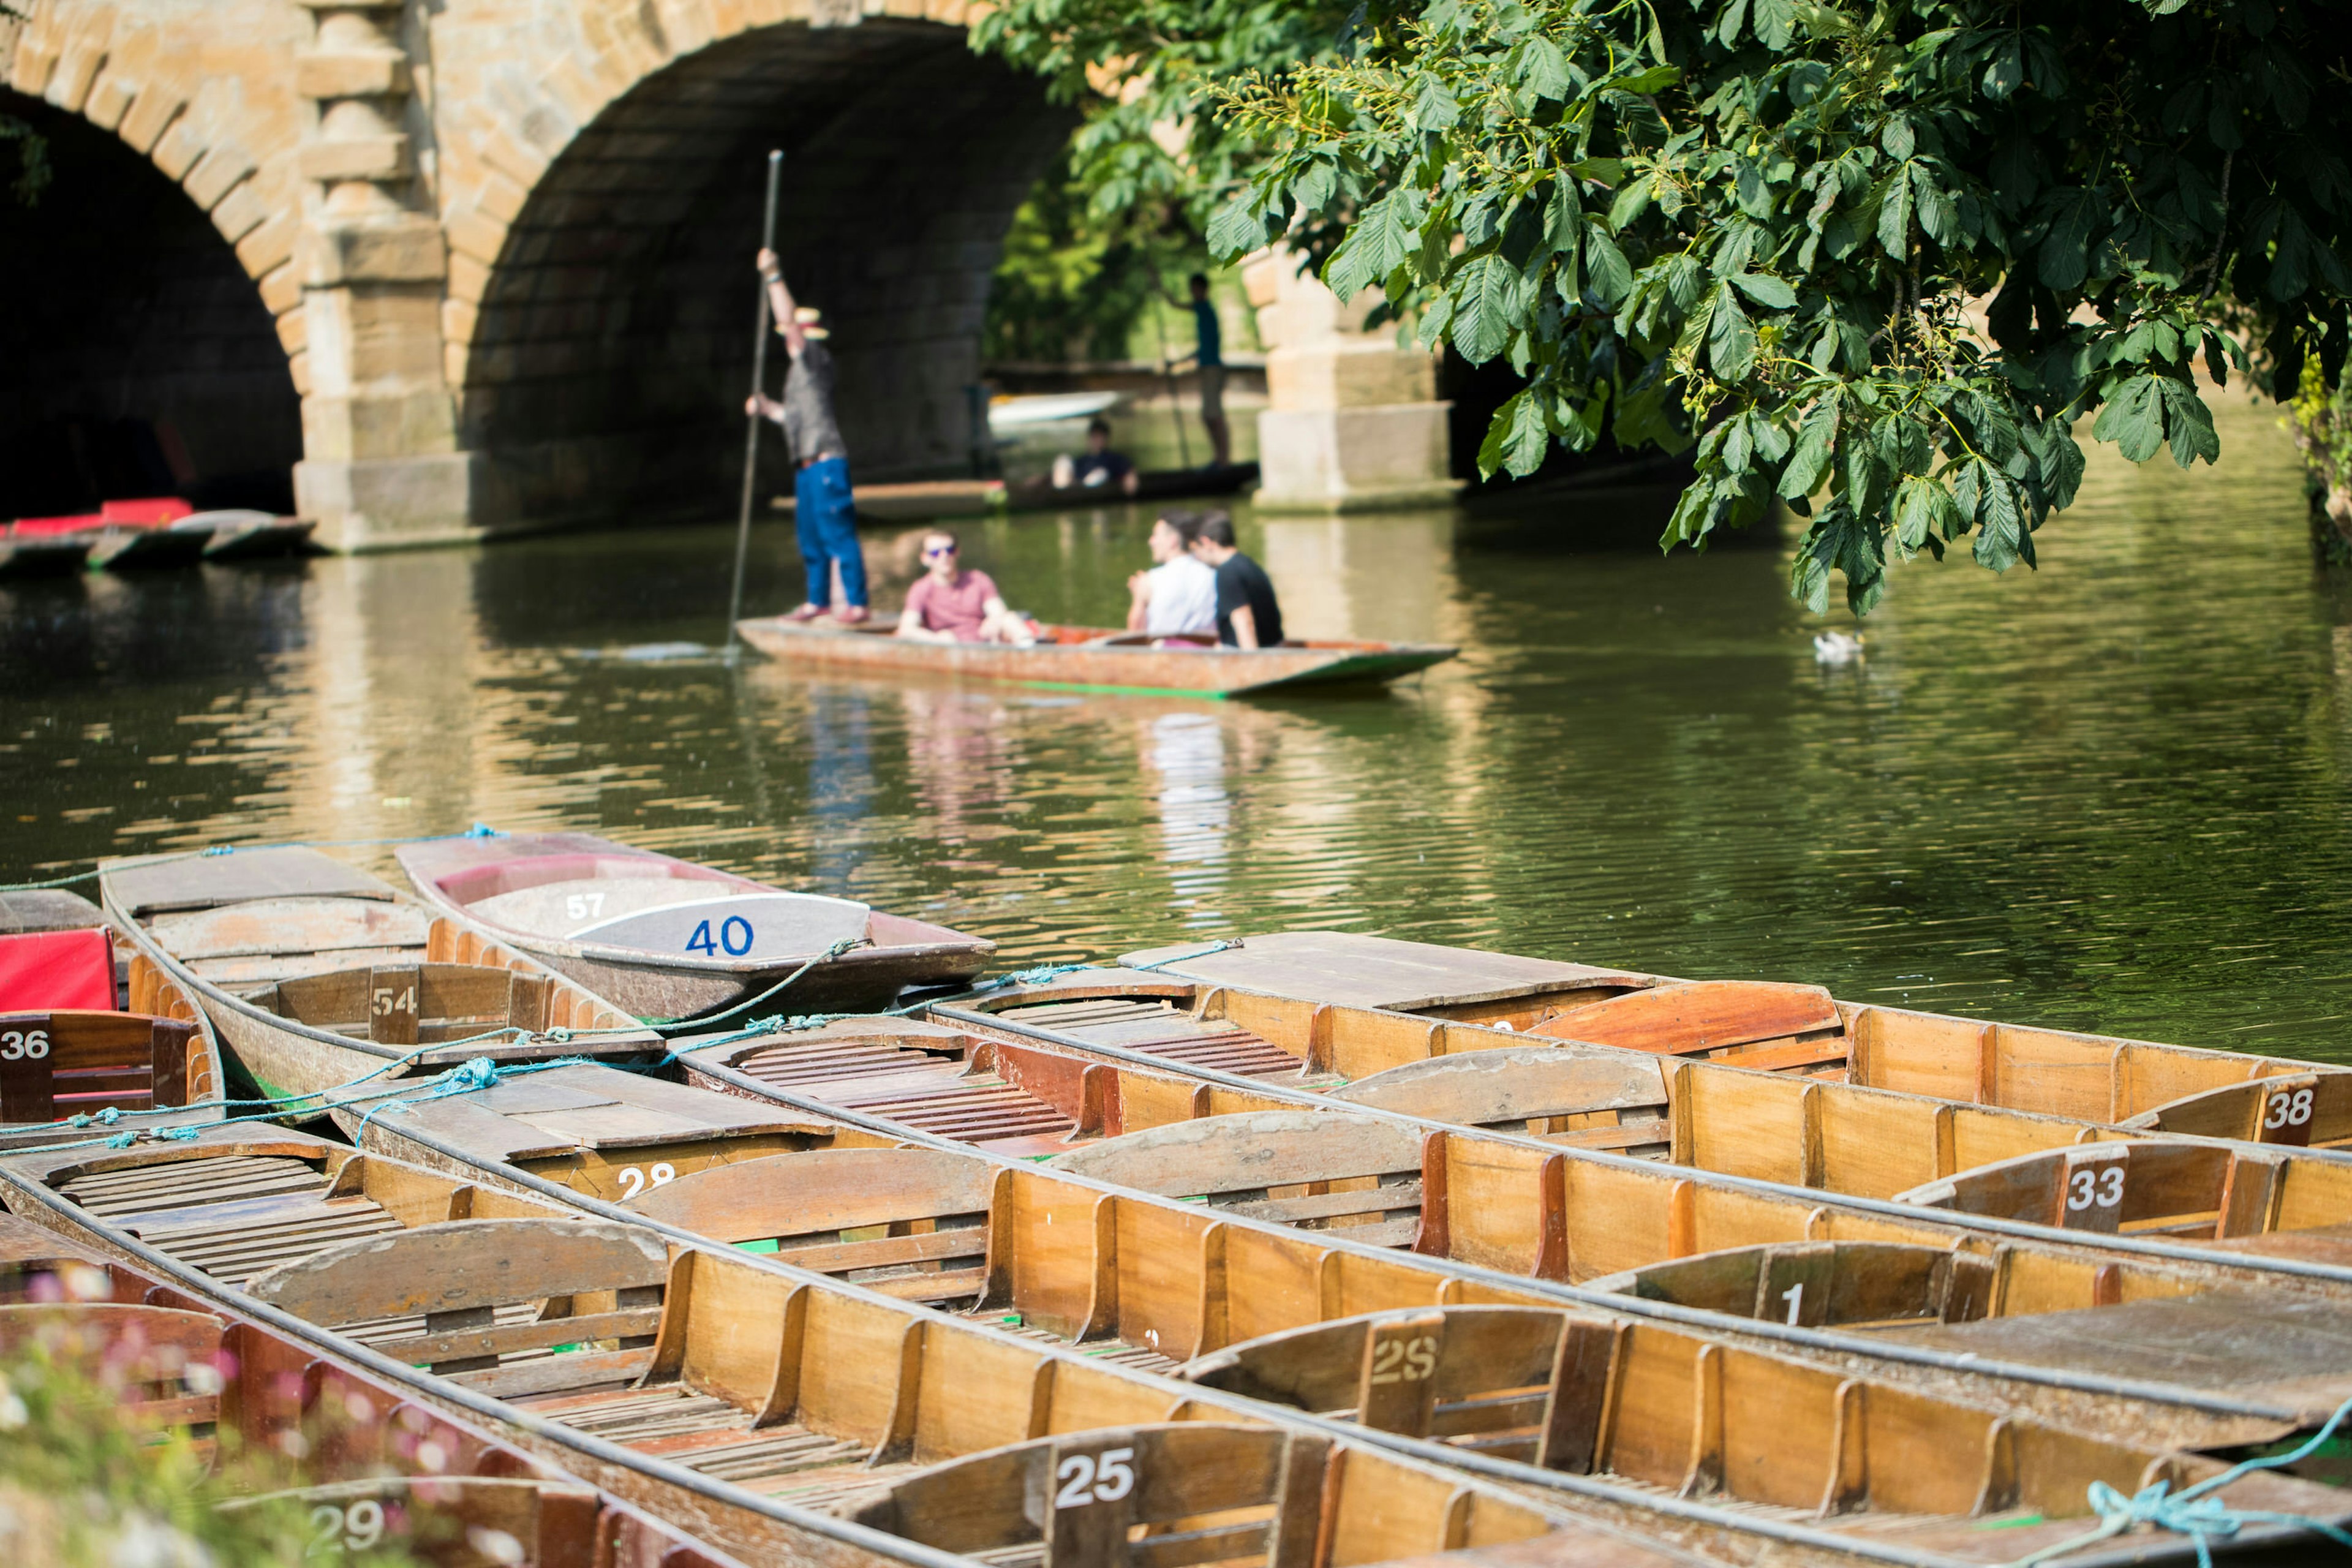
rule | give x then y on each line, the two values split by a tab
471	266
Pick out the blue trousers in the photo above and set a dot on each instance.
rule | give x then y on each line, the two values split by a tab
827	519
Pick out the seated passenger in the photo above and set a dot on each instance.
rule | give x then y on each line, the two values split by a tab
1178	596
947	604
1247	614
1097	467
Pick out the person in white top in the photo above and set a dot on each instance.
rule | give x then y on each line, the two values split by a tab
1179	597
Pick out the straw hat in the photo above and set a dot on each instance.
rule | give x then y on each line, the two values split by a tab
812	321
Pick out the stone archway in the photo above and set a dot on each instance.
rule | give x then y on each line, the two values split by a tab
156	296
600	315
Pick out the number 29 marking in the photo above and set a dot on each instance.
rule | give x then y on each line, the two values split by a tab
337	1531
1404	1361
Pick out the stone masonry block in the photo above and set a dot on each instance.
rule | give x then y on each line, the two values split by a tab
271	246
34	59
688	24
281	289
240	212
579	95
294	331
459	318
501	199
130	62
354	73
405	249
471	233
509	156
298	367
222	167
469	279
151	114
79	61
181	146
357	158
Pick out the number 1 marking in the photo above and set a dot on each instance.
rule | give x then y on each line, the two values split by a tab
1795	1296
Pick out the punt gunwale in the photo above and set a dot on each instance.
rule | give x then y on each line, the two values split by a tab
291	1059
1519	1482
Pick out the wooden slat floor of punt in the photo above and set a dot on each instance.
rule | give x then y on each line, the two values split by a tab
923	1090
1117	1352
2007	1525
1159	1028
715	1437
232	1217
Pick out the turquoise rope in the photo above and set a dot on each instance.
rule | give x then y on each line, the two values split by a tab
2194	1513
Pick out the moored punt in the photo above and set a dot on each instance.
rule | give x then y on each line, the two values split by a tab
360	1459
2141	1084
319	975
781	1416
1096	659
783	1401
665	938
25	554
1840	1277
88	1024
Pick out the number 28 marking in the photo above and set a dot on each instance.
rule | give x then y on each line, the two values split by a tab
1088	1478
1404	1361
2096	1189
633	1181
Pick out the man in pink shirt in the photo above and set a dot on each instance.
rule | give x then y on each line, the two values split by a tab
947	604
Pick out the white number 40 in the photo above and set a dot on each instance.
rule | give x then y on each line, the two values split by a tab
2096	1189
1090	1477
24	1045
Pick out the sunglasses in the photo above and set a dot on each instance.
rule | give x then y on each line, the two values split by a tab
933	555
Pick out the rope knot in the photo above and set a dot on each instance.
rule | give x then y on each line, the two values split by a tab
481	1072
482	830
221	849
177	1134
122	1141
108	1116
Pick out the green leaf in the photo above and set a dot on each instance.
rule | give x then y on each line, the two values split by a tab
1543	69
1766	289
1895	218
1809	462
2065	257
1632	201
1730	339
2133	419
1518	439
1236	228
1935	207
1376	247
2002	540
1484	307
1612	274
2190	421
1650	81
1433	107
1897	137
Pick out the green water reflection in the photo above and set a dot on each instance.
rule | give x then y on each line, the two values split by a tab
2114	798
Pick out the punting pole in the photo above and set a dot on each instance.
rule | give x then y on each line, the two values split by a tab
1175	407
753	421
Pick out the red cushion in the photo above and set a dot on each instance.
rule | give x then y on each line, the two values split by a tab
51	969
149	510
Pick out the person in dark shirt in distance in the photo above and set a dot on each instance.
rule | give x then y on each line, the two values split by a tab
1209	356
1097	468
1248	614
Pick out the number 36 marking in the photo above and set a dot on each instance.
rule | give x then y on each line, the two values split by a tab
24	1045
1088	1478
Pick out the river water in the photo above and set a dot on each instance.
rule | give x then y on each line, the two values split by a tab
2115	794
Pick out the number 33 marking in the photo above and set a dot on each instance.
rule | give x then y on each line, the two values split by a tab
2096	1189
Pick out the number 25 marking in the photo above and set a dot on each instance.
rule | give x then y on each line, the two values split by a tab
2096	1189
2288	1110
1086	1479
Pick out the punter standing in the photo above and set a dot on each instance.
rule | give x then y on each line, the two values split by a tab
826	516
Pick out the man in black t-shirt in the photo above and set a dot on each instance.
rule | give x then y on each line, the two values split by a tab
1248	615
1097	467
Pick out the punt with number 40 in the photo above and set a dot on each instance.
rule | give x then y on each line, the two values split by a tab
669	939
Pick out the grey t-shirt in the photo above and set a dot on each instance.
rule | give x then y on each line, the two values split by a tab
808	405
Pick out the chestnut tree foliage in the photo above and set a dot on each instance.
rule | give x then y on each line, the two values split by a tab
1875	259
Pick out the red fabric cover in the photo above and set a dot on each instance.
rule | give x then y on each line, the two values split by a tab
43	971
40	526
148	510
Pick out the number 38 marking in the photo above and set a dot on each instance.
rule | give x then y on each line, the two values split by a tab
2096	1189
633	1181
355	1529
1088	1478
24	1045
2288	1110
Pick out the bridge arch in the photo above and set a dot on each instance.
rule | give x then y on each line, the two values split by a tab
160	259
601	219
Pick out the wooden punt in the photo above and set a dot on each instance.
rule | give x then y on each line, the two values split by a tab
1096	659
1839	1277
783	1416
665	938
316	973
2141	1084
154	1050
1791	1128
787	1398
366	1463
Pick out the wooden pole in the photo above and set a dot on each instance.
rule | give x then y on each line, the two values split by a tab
1175	411
751	428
